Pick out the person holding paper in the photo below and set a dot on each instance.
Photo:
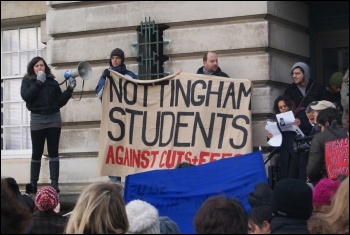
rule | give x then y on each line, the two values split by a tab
288	160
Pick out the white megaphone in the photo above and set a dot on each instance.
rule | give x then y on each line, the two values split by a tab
84	71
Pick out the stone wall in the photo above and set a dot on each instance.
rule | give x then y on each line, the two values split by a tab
256	40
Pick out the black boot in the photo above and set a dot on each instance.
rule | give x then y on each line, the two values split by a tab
54	173
34	177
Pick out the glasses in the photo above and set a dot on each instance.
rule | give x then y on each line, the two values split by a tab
314	103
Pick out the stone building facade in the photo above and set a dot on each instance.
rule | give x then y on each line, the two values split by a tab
256	40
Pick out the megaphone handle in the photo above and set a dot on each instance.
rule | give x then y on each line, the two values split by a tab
67	74
81	94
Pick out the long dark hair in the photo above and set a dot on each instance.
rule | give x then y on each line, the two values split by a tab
30	67
326	116
278	99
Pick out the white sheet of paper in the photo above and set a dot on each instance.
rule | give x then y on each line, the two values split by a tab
286	121
276	139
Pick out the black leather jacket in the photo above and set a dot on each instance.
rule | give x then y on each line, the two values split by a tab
44	98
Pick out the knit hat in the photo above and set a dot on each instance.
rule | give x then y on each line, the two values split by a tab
321	105
324	191
336	79
117	52
304	68
46	198
292	198
260	196
168	226
143	218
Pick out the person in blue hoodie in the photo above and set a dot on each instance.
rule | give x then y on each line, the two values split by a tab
116	63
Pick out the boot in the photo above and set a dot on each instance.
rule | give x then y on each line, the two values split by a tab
54	173
34	177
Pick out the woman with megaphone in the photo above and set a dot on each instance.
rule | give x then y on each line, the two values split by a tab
116	63
44	98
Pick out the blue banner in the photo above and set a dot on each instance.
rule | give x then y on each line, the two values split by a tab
179	193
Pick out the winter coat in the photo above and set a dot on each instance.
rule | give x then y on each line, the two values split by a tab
285	225
218	72
101	83
44	98
295	95
316	167
287	154
47	222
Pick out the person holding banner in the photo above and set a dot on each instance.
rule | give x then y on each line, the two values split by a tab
211	65
116	63
44	98
330	121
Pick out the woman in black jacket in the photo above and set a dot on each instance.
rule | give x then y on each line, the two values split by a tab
288	161
44	98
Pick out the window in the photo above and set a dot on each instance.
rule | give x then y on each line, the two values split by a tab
334	60
18	46
150	49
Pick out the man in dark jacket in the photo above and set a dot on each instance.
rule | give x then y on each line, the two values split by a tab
211	65
302	92
330	121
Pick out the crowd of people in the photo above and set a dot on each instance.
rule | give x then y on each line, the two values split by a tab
304	199
292	207
319	114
